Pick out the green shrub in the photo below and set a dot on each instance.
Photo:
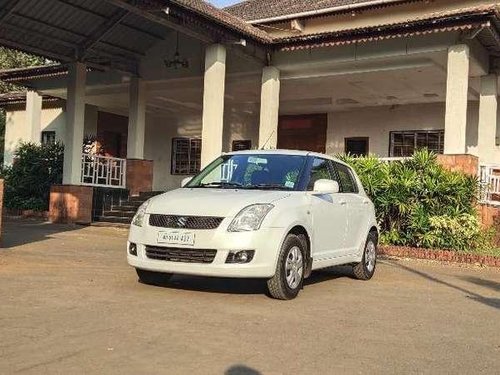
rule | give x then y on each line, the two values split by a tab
28	180
419	203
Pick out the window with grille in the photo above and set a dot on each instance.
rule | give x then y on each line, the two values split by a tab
186	156
405	143
48	137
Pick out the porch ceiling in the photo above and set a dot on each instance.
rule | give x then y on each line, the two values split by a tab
103	33
335	88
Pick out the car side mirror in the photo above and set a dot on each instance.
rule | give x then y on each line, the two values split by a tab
186	181
325	186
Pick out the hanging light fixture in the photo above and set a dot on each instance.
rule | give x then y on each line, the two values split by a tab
176	62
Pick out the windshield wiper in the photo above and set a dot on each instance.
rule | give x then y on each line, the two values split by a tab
221	184
269	187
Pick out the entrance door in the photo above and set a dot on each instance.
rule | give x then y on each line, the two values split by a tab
303	132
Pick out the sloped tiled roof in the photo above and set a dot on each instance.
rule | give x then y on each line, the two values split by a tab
206	10
252	10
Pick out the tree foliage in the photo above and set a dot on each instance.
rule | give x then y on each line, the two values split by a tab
10	59
419	203
28	181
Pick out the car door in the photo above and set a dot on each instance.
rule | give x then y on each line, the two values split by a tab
357	208
329	214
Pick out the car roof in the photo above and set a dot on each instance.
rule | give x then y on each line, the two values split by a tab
285	152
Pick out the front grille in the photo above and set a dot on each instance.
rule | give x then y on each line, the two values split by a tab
185	222
174	254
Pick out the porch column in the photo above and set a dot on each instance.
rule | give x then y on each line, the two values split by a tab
75	122
34	115
71	202
269	108
487	125
213	103
139	176
457	88
136	119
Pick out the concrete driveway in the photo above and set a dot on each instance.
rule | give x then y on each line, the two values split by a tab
69	304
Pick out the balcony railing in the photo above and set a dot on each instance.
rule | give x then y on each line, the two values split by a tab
489	178
103	171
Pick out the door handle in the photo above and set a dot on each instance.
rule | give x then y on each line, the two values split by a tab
365	202
343	203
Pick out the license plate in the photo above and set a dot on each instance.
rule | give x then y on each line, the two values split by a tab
176	238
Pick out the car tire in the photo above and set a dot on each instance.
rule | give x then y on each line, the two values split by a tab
153	278
289	276
366	268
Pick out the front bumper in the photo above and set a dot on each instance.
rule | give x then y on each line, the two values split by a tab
266	243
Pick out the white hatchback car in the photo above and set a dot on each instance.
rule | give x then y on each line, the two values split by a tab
276	215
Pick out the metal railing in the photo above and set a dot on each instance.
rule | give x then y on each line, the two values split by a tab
104	171
489	179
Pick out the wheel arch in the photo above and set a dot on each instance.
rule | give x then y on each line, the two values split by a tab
301	230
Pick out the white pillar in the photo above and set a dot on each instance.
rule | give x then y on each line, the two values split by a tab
269	108
457	89
75	122
34	115
136	119
213	103
487	125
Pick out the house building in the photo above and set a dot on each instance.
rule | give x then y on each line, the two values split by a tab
165	86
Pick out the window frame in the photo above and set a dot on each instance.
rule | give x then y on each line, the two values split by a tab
51	132
364	139
439	132
194	164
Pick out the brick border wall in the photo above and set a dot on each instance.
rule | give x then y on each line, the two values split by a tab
468	164
70	204
439	255
139	176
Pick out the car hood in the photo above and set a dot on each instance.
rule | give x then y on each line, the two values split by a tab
210	202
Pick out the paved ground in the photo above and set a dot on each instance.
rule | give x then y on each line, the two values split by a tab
69	304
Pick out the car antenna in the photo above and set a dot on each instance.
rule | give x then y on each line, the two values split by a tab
267	141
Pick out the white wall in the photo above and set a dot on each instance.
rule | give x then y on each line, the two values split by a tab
239	123
16	131
377	122
53	119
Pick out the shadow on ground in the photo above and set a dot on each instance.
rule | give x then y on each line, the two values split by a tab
488	301
17	232
246	286
241	370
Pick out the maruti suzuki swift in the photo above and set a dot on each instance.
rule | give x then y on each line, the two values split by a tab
276	215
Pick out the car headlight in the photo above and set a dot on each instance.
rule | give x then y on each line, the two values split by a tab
250	218
138	219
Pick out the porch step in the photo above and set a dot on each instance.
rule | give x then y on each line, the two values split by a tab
118	212
124	211
115	219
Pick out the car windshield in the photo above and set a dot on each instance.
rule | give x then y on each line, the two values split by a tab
251	171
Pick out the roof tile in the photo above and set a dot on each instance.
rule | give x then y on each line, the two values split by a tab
252	10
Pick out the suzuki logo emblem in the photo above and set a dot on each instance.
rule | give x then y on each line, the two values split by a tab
181	221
